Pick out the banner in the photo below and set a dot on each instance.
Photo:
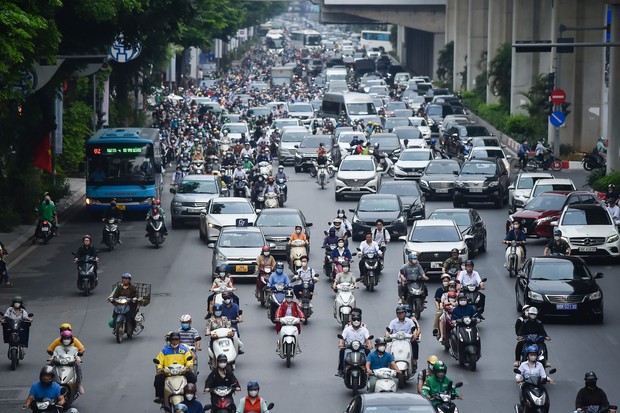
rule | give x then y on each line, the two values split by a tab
43	154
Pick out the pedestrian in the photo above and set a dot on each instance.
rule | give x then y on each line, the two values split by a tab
4	271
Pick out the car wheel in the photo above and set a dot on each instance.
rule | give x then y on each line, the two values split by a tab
175	224
201	235
483	247
598	318
518	305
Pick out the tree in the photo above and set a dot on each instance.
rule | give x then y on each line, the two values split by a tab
500	73
445	63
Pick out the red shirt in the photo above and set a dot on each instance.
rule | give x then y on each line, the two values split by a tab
295	312
250	407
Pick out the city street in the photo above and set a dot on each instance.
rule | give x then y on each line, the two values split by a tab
119	377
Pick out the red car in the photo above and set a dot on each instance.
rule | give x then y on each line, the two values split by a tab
537	215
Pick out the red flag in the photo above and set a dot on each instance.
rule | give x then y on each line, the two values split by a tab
43	154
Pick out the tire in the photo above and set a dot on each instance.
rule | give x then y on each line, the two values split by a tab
402	380
119	331
354	387
517	305
45	240
556	165
371	285
391	171
86	289
483	247
297	169
14	356
261	298
175	224
531	166
417	308
511	265
289	351
345	320
588	166
306	321
471	361
499	202
338	197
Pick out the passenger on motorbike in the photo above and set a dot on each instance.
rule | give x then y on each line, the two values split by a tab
258	188
404	324
305	273
379	358
252	403
438	383
113	213
541	151
17	312
278	277
265	259
516	234
190	401
532	326
68	345
231	310
340	251
346	276
262	157
247	152
342	216
380	235
189	335
174	352
128	290
222	280
591	395
520	320
228	161
331	238
601	149
444	289
222	376
558	245
355	331
412	271
156	209
471	277
289	307
611	192
87	249
463	309
367	246
427	372
247	162
448	302
454	263
45	388
613	209
298	235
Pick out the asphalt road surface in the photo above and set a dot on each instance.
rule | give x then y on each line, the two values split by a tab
119	377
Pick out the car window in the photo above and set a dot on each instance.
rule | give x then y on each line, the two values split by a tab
385	142
226	208
559	270
404	190
573	199
378	205
590	216
460	218
300	108
235	128
415	156
552	187
357	165
587	199
487	169
436	168
546	203
479	152
278	220
197	187
314	143
240	240
293	136
525	182
435	234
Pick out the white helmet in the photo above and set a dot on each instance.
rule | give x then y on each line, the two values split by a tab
186	318
532	311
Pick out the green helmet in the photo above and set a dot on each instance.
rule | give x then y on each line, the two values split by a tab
440	366
18	299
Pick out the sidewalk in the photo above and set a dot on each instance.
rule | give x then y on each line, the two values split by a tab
23	233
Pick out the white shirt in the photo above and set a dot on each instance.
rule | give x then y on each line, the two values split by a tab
528	371
247	152
380	236
465	279
372	247
350	334
614	211
306	275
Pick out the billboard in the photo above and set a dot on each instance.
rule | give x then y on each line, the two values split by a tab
384	2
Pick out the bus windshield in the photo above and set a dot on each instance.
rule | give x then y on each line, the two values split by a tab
313	40
120	163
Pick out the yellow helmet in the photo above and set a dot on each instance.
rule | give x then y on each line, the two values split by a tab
432	359
65	327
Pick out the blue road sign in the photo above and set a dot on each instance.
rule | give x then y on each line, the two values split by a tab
120	53
241	222
557	119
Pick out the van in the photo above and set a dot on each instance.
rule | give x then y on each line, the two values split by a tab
335	73
356	106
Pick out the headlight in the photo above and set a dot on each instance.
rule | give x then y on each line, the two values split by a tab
612	238
546	219
356	219
595	295
400	219
459	184
220	257
424	183
398	167
534	296
493	184
177	203
519	202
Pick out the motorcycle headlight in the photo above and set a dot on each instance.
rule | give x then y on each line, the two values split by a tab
177	203
459	184
612	238
534	296
400	219
595	295
356	345
467	321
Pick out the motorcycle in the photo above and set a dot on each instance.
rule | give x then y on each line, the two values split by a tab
281	182
355	375
288	338
265	169
598	409
321	176
370	275
531	339
271	200
259	203
13	330
416	297
185	167
217	298
156	230
336	266
592	161
45	233
198	167
174	384
306	296
222	343
533	398
111	232
514	257
46	406
386	380
224	402
446	405
87	274
465	342
122	323
65	374
261	284
327	261
240	189
275	297
400	347
344	303
297	250
475	297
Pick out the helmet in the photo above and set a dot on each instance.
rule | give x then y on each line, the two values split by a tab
189	388
186	318
66	334
379	340
47	371
461	295
266	248
332	231
401	309
452	294
279	265
337	222
270	179
557	233
454	251
222	357
412	256
432	359
180	407
445	276
590	376
525	308
87	236
174	336
452	283
65	326
289	294
18	299
253	385
377	145
126	275
439	366
224	267
156	202
531	349
281	168
532	311
470	262
611	186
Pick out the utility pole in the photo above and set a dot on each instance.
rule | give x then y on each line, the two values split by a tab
613	146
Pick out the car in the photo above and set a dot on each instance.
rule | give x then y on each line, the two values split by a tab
490	152
469	222
238	248
438	111
337	85
223	212
414	100
560	286
370	83
486	141
389	403
191	197
432	240
468	131
280	123
481	181
438	178
412	198
356	176
452	120
379	90
278	224
391	123
257	111
521	189
402	113
590	231
277	106
389	144
422	125
307	151
552	184
412	162
541	210
412	134
387	207
235	130
291	136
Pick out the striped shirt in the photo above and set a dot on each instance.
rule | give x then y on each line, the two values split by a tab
189	337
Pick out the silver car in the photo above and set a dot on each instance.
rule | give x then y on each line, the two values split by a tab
239	248
224	212
191	197
520	190
291	136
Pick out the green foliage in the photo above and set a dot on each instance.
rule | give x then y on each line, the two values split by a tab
75	131
598	179
500	73
481	85
445	63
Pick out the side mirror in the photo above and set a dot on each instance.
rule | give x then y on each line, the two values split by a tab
552	371
358	280
511	187
308	224
358	249
459	384
190	358
296	146
173	191
31	314
484	280
402	238
340	336
597	276
270	406
516	371
272	245
520	274
508	156
479	224
352	210
155	361
387	329
554	223
468	238
211	245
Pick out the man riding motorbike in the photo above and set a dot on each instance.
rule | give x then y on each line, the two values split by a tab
17	312
453	264
305	273
412	271
404	324
190	402
591	395
367	246
222	376
289	307
47	212
45	388
156	209
531	326
516	234
87	249
189	335
112	213
127	290
438	383
174	352
471	277
377	359
222	280
530	368
355	331
444	289
557	246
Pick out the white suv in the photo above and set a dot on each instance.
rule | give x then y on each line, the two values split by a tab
589	230
357	175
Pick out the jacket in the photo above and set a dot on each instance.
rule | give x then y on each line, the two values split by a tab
169	355
432	386
295	311
215	380
262	405
263	261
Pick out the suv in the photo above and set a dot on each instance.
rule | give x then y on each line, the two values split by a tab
291	136
590	230
191	197
357	176
482	181
307	151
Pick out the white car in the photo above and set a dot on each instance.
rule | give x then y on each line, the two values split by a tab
223	212
555	184
422	125
490	152
301	110
280	123
589	230
521	189
236	129
357	175
412	162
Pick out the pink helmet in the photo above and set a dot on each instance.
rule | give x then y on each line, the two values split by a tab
66	334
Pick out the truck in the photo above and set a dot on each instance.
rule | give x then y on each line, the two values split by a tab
281	75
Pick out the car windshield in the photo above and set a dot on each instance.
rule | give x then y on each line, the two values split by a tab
552	187
487	169
590	216
401	189
487	153
378	205
393	122
417	122
347	137
361	109
197	187
477	131
525	182
356	165
546	203
438	168
396	105
385	142
300	108
278	220
559	270
231	128
293	136
441	233
279	123
314	143
434	111
412	133
398	408
259	112
231	239
460	218
485	142
415	156
227	208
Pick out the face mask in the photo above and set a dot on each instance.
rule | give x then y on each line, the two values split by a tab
253	393
185	326
266	253
445	284
279	271
17	305
289	300
532	358
222	275
381	349
298	231
440	375
218	313
556	238
304	264
174	345
66	342
227	301
430	367
591	384
190	396
222	365
356	323
341	244
463	302
532	316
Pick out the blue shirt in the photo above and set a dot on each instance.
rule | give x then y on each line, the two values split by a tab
460	311
513	235
345	253
377	362
276	278
194	406
40	392
231	313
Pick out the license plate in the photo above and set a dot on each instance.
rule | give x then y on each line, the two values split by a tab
355	188
241	268
442	191
587	249
195	210
476	190
436	264
566	306
45	229
121	207
280	247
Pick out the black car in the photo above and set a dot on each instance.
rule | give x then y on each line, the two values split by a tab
560	286
372	207
278	224
410	195
389	403
469	222
307	150
438	178
438	111
482	181
468	131
388	143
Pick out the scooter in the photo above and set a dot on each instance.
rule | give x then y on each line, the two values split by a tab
224	402
475	297
592	161
271	200
327	261
174	384
344	303
598	409
63	360
275	297
465	342
400	347
355	375
122	322
13	328
217	298
386	380
287	338
47	406
297	250
156	232
542	347
446	405
336	266
261	284
198	167
240	189
306	296
370	275
265	169
321	176
281	182
45	232
87	274
259	203
533	397
514	258
222	343
110	232
416	297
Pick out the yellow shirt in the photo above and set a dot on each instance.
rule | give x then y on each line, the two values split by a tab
169	355
76	343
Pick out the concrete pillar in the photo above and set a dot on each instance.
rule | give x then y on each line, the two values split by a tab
499	32
450	20
438	44
460	32
401	48
613	150
476	40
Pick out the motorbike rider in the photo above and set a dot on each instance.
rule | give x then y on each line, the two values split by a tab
611	192
404	324
520	320
190	401
444	289
229	160
221	280
222	376
113	213
247	162
87	249
532	326
342	216
231	310
174	352
247	152
367	246
558	245
305	273
354	331
45	388
469	276
427	372
380	235
289	307
438	383
516	234
591	395
541	151
67	345
257	189
156	209
278	277
298	234
281	175
377	359
341	251
189	335
331	238
530	368
522	152
412	271
613	209
601	149
454	263
341	230
128	290
239	172
464	308
346	276
17	312
226	179
262	157
265	259
47	212
448	302
252	403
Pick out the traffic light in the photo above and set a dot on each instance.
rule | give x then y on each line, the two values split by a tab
565	106
550	83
